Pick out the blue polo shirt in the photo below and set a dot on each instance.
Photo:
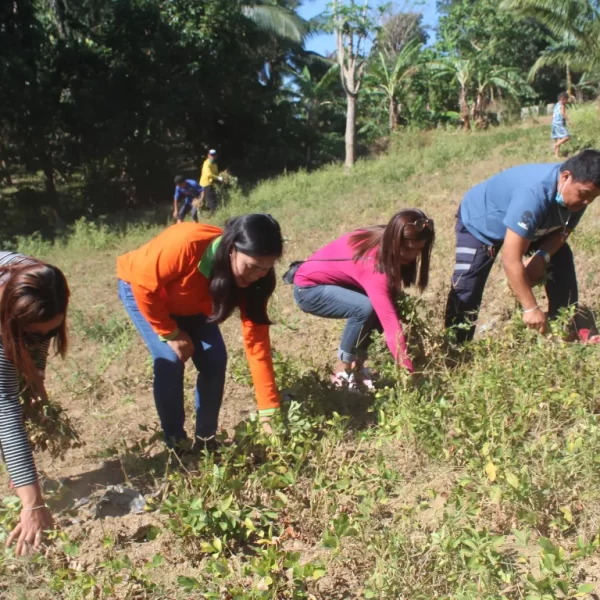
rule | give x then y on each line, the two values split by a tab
522	199
192	191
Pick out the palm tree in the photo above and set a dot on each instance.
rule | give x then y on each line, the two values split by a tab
575	24
278	19
392	82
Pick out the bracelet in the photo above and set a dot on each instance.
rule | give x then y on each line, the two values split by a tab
530	310
35	507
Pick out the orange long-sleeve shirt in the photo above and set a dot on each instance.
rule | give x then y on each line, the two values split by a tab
165	279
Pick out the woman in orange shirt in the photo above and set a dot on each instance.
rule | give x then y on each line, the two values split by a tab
178	287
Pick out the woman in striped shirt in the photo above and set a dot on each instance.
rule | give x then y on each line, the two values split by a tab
33	305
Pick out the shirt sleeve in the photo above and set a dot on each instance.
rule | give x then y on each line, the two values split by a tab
257	344
177	194
526	213
378	292
14	441
171	263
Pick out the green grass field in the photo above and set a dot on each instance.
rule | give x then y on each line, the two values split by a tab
479	481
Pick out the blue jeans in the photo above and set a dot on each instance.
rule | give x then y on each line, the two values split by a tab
335	302
209	358
474	261
185	209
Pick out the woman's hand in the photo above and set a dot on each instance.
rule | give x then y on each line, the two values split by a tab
38	388
266	426
30	530
28	533
182	345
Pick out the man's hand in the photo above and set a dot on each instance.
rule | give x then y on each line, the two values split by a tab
536	319
182	345
175	214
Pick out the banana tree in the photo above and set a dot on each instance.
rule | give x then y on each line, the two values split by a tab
392	81
462	72
490	79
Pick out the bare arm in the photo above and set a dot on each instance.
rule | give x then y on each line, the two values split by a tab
514	249
535	265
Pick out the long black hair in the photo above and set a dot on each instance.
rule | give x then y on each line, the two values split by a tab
254	235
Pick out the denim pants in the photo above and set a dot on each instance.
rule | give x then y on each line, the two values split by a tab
335	302
474	261
185	209
209	358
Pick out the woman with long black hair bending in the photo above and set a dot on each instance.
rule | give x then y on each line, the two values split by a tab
178	288
33	306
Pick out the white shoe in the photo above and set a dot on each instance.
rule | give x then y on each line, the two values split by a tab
367	377
344	379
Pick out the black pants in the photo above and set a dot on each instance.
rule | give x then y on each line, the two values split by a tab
474	261
210	198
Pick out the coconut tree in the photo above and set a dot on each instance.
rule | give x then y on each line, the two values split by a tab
575	25
278	19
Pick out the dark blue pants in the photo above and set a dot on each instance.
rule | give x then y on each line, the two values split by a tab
185	209
210	358
474	261
336	302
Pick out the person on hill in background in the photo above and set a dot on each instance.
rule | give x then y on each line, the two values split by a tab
208	176
189	190
529	208
358	277
178	288
559	123
34	298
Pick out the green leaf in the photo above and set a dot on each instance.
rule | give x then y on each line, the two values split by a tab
226	503
188	583
584	589
512	479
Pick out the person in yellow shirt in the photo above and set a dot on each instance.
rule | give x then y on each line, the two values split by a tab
208	176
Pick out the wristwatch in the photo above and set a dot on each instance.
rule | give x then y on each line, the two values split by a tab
544	255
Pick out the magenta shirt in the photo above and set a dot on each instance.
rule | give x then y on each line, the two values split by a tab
362	275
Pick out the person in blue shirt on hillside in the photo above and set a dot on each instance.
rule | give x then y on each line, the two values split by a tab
523	209
188	190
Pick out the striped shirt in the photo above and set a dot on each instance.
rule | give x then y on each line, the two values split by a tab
14	442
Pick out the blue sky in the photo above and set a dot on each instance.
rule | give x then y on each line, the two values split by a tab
324	43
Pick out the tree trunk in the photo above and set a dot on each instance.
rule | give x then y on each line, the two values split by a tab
350	130
48	168
569	82
393	114
464	109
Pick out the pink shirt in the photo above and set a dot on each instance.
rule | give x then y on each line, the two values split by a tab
320	269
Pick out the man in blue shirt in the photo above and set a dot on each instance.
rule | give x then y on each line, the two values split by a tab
188	190
529	207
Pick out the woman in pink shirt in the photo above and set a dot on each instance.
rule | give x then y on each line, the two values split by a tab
358	277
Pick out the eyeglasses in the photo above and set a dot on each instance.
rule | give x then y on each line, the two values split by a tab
420	224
